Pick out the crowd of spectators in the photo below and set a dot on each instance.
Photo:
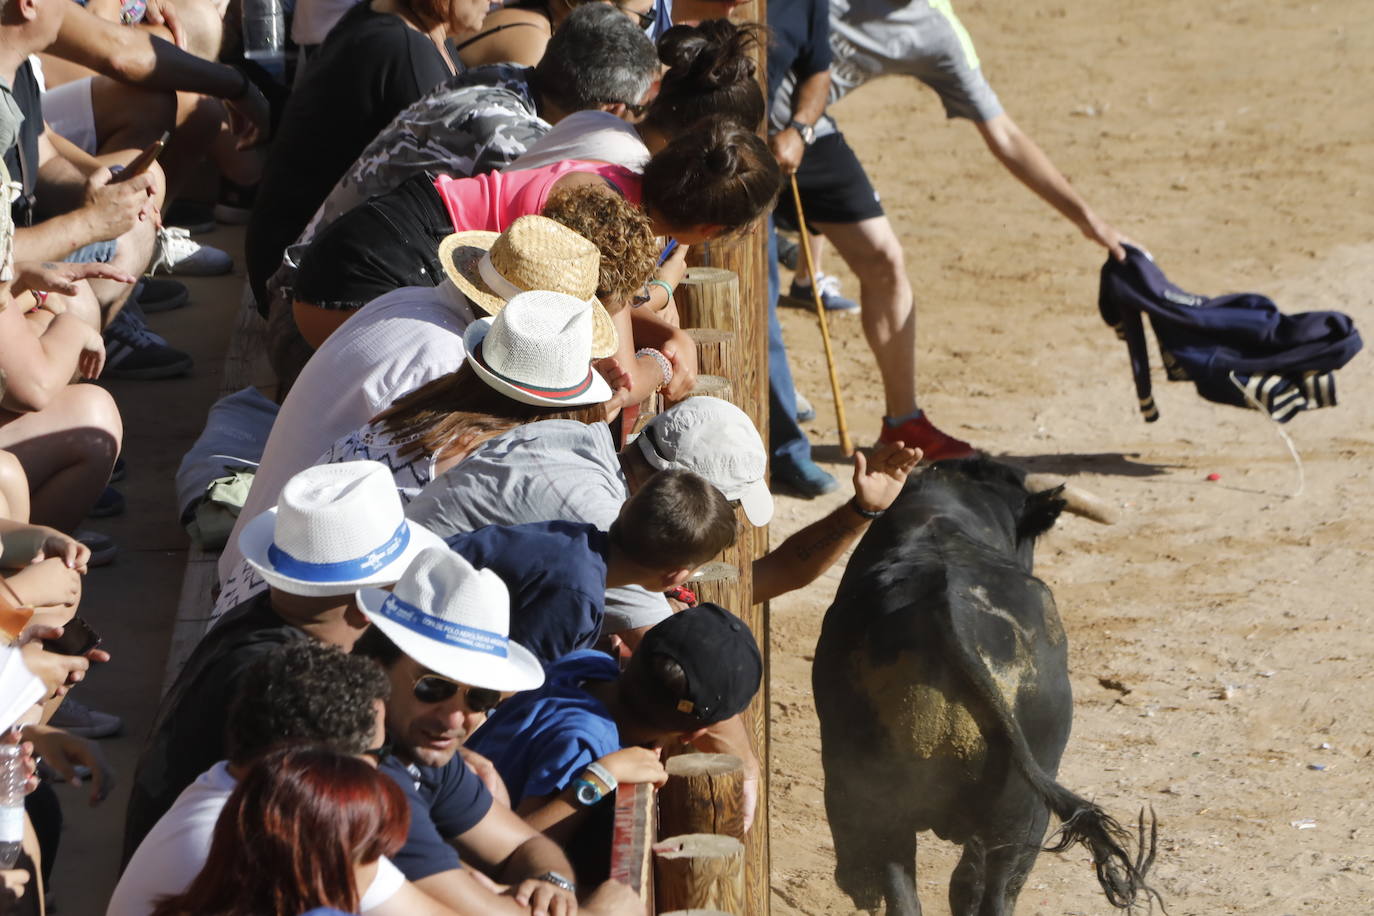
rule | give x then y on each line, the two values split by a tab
455	611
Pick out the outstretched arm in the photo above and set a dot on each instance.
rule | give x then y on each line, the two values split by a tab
1028	162
801	559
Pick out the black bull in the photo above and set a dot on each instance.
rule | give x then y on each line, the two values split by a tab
941	680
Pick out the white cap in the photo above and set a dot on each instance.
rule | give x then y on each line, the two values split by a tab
716	440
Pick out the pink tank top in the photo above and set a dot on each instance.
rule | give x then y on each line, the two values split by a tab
496	199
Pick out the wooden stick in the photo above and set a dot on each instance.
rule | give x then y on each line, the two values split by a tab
845	444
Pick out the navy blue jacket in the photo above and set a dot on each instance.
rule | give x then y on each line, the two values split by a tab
1234	348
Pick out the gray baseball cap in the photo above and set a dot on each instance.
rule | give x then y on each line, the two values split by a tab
716	440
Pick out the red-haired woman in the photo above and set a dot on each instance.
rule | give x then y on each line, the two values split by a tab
305	828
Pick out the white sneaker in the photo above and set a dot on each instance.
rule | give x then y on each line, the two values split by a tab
178	254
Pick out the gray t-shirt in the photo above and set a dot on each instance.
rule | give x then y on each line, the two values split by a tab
920	38
554	470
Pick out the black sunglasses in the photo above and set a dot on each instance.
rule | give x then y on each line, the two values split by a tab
644	19
380	754
435	688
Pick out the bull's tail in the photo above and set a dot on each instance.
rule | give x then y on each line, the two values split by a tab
1121	876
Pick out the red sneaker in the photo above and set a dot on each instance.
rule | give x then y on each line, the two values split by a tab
921	433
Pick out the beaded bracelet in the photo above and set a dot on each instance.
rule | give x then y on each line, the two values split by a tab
664	366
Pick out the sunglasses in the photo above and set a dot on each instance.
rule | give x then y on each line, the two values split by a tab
644	19
435	688
379	754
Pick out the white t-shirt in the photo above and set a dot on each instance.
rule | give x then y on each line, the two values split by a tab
598	136
175	850
387	349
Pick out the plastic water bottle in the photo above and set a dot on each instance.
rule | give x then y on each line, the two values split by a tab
264	31
11	804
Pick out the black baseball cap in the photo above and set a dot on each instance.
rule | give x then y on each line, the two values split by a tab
718	655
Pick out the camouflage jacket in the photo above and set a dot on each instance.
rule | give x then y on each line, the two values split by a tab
476	122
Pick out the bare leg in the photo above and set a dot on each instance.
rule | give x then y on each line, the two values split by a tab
872	251
67	450
133	253
14	489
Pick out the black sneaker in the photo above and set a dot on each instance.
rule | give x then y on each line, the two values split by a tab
103	547
159	294
134	352
193	216
109	503
82	720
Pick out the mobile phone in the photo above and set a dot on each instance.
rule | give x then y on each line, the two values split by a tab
77	639
142	160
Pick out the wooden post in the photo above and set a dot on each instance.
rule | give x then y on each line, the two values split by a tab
700	870
715	350
716	386
726	289
702	795
632	841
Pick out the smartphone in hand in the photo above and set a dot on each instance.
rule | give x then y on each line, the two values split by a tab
77	639
143	160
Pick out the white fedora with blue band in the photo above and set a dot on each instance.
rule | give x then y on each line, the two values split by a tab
455	621
337	528
538	350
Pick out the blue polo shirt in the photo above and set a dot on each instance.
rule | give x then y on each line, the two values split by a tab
556	574
445	802
539	740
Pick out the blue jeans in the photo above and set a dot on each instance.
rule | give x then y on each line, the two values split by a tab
102	252
786	441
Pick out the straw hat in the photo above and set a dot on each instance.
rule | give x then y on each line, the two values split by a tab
538	351
533	253
454	620
336	528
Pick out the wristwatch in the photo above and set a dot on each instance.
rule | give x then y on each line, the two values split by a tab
807	131
589	792
557	880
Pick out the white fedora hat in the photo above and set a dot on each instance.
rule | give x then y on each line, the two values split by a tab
336	528
454	620
538	350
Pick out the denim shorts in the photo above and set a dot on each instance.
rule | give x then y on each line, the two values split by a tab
94	253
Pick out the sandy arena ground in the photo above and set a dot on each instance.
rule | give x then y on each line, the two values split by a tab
1236	141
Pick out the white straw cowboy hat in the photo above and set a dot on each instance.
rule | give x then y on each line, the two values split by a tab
336	528
533	253
454	620
538	351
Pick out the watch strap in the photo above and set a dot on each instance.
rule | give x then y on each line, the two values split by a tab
807	131
603	774
557	880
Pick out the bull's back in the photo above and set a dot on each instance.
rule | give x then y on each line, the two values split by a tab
895	678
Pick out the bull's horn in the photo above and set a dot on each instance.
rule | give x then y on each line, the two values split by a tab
1080	501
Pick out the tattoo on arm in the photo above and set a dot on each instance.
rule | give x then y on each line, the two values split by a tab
837	531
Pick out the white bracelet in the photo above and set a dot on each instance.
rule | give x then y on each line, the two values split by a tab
664	366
